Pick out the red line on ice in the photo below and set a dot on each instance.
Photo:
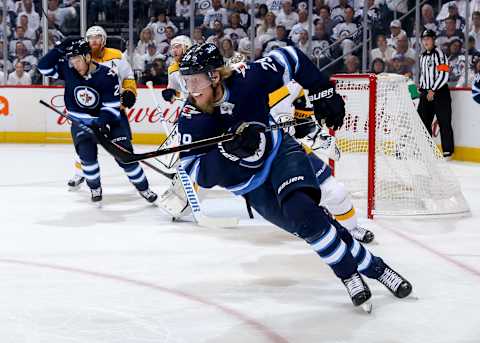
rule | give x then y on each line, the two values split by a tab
262	329
435	252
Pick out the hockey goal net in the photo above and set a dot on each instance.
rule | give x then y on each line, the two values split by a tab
388	159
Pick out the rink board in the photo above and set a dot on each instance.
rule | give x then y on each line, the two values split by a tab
24	120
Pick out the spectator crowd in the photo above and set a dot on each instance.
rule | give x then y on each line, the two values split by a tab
337	31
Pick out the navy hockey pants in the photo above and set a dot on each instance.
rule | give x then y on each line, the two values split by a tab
86	148
289	199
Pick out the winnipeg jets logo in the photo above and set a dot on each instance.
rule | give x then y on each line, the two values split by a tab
227	108
86	96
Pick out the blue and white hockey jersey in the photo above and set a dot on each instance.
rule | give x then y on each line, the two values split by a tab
246	99
96	94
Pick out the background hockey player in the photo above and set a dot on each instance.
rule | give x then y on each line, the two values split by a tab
270	168
92	96
176	85
112	58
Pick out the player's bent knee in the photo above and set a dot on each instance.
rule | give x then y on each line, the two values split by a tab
335	196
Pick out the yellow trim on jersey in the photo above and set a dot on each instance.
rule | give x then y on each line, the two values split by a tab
173	67
303	113
346	215
307	149
78	165
302	93
108	54
277	95
129	84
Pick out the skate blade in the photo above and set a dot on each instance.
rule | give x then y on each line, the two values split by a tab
367	307
97	204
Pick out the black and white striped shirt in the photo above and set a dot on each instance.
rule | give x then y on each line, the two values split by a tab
433	69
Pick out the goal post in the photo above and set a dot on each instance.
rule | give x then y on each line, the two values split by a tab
388	159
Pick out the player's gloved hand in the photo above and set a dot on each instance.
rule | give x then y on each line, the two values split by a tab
63	45
328	106
305	127
246	141
99	126
169	94
128	98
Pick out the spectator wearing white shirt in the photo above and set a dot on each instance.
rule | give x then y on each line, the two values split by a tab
8	64
29	33
22	55
218	34
345	31
427	19
217	12
240	8
287	17
146	37
395	31
338	12
235	32
299	27
274	6
8	32
453	13
20	37
25	7
325	18
19	76
404	50
267	31
164	46
147	59
383	51
228	52
302	42
61	13
475	31
461	5
158	27
182	9
446	36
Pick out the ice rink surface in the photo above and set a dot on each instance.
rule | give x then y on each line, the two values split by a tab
125	273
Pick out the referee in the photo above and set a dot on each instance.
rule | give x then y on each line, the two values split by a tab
434	93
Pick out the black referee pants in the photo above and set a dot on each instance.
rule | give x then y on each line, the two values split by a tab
441	106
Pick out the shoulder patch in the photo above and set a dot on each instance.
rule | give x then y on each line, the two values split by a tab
173	68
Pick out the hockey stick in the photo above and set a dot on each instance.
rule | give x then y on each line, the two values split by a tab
93	133
128	157
187	185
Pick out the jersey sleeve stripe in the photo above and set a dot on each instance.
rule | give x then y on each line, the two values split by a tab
112	110
281	59
291	51
46	71
111	104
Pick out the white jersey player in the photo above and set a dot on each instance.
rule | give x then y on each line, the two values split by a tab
335	196
176	87
127	88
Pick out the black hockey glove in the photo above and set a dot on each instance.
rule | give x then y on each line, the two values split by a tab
169	94
307	126
328	106
99	126
128	98
246	142
63	45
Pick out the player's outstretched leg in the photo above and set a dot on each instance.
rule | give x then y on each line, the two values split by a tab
137	177
336	199
314	227
373	266
77	179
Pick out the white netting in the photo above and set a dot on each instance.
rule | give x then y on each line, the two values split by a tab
411	176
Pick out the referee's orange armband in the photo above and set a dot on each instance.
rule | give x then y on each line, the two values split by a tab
442	67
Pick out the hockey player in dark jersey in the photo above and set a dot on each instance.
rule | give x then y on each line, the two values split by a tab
271	169
92	96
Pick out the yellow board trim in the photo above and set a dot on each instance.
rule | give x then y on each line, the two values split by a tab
465	153
65	137
345	216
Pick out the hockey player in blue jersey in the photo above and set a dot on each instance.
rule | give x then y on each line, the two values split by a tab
92	97
271	170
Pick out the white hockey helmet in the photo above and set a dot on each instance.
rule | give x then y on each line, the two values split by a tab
182	40
97	31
